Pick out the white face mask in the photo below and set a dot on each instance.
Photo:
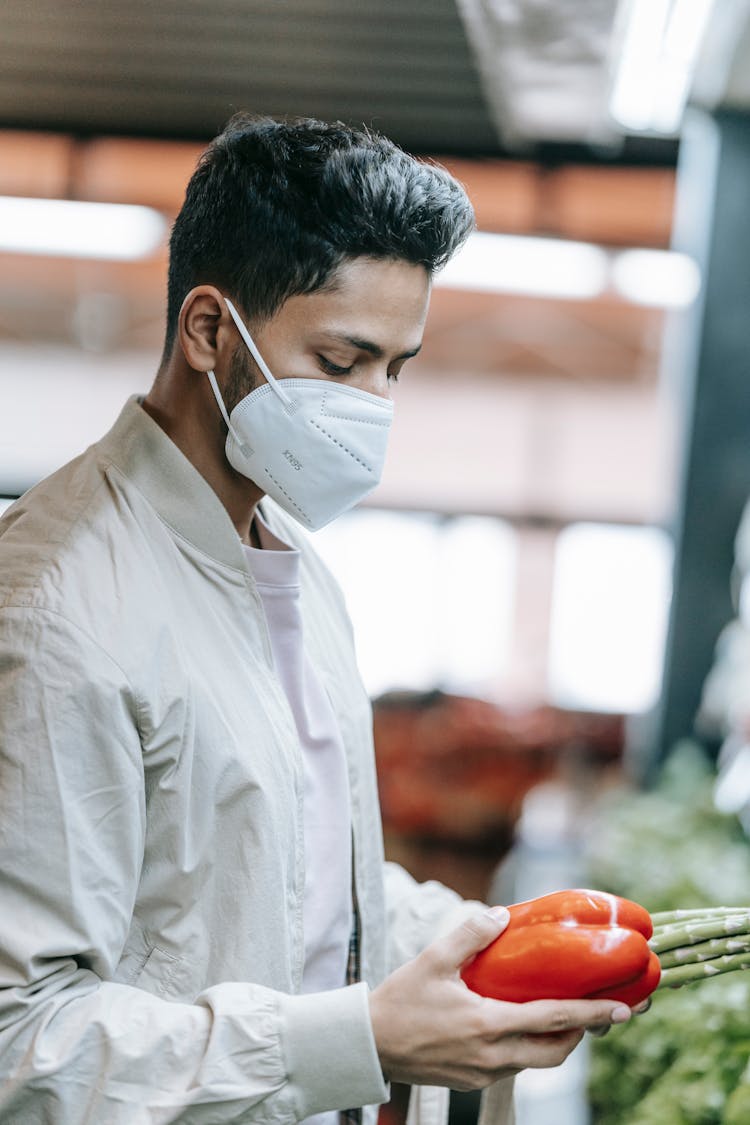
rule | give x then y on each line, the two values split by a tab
315	446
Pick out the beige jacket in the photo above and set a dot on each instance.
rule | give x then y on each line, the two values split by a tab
151	849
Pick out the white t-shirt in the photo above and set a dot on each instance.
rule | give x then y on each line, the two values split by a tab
327	815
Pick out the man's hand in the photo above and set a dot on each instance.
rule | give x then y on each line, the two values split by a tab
430	1029
600	1031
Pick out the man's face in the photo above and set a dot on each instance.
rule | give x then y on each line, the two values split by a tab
360	331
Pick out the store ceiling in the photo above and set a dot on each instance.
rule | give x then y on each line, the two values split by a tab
439	75
80	79
179	68
460	76
112	101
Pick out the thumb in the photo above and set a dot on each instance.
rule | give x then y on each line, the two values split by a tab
475	934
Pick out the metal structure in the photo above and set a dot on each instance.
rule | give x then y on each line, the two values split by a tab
180	69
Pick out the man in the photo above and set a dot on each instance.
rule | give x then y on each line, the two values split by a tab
196	923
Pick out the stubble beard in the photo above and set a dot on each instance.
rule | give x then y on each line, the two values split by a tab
242	378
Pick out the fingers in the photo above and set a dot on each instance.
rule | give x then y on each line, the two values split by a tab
601	1030
453	950
542	1051
539	1017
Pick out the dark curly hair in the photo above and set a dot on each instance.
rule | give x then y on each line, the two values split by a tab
274	208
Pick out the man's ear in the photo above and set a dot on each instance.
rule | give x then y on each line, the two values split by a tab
200	326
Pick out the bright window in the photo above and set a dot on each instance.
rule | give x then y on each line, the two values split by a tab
610	605
431	598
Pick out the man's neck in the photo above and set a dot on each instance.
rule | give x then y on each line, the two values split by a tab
185	416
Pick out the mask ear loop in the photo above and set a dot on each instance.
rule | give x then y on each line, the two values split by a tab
289	404
220	402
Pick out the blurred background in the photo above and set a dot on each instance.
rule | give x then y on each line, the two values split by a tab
548	588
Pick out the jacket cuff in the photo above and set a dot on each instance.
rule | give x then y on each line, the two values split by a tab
331	1059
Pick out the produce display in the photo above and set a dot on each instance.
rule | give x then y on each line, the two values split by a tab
686	1061
682	1063
569	945
456	769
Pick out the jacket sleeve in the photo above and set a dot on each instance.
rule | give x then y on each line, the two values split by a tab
75	1046
416	913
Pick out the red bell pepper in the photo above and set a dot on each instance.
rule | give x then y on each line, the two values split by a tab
569	945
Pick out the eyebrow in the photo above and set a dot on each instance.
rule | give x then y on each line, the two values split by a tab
370	347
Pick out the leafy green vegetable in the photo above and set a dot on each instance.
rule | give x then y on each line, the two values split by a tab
669	848
738	1107
686	1061
678	1064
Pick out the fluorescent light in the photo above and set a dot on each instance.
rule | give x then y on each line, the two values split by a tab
538	267
682	42
659	49
662	278
72	229
644	23
490	263
549	267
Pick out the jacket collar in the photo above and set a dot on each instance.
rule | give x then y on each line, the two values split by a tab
142	451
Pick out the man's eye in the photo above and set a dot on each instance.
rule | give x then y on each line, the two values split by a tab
333	368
